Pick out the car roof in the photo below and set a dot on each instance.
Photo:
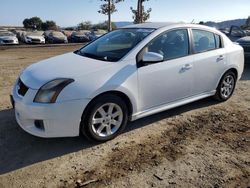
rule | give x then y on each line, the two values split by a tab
151	25
158	25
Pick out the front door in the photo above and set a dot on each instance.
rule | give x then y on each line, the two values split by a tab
170	80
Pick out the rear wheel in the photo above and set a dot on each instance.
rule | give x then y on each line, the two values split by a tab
106	117
226	86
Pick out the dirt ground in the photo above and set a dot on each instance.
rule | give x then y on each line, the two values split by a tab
203	144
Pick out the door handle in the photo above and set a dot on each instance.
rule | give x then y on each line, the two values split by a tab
187	67
220	58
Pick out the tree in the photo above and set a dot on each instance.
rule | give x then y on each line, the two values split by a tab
109	8
49	25
37	23
84	25
32	23
140	15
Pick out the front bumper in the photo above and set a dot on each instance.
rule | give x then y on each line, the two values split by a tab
59	119
59	41
36	41
8	42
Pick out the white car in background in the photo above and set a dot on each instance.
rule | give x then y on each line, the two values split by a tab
33	37
7	37
124	75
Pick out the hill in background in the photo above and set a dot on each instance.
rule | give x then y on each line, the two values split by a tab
121	24
226	24
219	25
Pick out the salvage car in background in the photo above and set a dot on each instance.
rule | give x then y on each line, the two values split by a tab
7	37
55	37
242	37
79	36
19	34
245	43
236	33
33	37
127	74
94	34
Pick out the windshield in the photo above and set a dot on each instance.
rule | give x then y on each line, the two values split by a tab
57	34
36	33
114	45
80	33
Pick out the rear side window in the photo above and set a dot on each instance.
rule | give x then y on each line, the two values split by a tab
203	41
171	44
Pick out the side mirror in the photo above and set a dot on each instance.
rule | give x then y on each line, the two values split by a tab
152	57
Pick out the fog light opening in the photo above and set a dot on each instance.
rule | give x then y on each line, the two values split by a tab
39	124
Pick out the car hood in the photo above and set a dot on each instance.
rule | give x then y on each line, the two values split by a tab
80	35
59	37
7	37
244	40
68	65
35	37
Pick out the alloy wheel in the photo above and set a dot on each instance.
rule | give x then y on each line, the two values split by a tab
227	86
107	119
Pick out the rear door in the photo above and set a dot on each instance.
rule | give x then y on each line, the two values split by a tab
209	60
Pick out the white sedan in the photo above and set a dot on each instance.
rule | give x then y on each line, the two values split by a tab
7	37
34	37
125	75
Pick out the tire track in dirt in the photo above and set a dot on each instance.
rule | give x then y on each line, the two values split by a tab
230	128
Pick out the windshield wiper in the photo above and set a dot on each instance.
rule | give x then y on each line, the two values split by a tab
91	55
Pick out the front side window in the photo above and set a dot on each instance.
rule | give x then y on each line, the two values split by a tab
203	41
171	44
114	45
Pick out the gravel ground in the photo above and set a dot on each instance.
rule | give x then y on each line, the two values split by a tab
203	144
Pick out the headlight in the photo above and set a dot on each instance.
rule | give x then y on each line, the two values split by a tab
49	92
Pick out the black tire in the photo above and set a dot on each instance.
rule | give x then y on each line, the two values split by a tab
218	95
86	124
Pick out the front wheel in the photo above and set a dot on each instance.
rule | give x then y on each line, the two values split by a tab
226	86
106	117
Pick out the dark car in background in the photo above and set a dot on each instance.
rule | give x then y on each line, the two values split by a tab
242	37
94	34
245	43
55	37
79	36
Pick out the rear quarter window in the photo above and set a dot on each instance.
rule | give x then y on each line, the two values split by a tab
218	42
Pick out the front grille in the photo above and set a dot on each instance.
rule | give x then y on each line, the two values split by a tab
21	88
36	40
8	41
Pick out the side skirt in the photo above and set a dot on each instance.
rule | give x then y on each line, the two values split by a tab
171	105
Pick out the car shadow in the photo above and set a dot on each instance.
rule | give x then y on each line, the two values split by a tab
20	149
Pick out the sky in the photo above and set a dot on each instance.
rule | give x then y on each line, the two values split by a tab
71	12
